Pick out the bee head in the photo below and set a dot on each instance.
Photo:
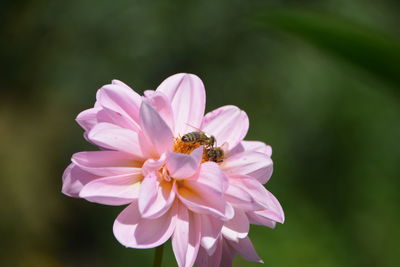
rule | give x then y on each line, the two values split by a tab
212	140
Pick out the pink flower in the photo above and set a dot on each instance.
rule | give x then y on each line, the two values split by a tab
173	188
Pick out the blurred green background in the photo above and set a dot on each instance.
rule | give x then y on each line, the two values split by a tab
320	81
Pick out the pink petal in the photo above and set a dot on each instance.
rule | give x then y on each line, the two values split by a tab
228	254
156	196
148	149
114	190
229	211
262	198
246	249
87	118
110	116
149	93
148	192
265	198
186	237
210	232
155	128
254	146
74	178
254	164
121	84
205	260
259	194
211	176
160	102
259	219
205	193
112	137
187	95
272	210
203	202
106	163
236	228
239	197
120	99
257	146
184	165
275	211
227	124
133	231
153	165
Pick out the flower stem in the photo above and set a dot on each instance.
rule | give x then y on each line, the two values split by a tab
158	256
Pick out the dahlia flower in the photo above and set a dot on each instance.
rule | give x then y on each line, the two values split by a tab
174	189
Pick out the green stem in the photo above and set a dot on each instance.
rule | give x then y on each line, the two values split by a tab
158	256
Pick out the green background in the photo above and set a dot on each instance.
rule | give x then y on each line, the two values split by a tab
320	81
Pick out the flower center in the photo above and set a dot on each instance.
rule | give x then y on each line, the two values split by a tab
184	147
209	153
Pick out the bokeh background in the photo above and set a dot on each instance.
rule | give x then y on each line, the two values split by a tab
320	81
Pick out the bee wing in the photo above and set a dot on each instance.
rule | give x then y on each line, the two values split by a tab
225	146
193	127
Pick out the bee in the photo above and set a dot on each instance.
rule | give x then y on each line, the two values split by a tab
215	154
199	137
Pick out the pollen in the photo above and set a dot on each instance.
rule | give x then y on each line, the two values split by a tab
188	147
184	147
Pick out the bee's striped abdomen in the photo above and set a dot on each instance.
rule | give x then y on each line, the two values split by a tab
191	137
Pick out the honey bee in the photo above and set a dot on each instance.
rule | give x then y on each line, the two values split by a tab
199	137
215	154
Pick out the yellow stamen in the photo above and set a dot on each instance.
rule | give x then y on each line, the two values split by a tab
184	147
188	147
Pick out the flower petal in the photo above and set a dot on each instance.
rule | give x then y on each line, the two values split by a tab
162	105
205	260
204	201
274	211
88	118
155	128
112	137
210	204
254	146
110	116
121	99
228	254
114	190
133	231
257	146
204	194
148	192
74	178
256	217
184	165
262	197
211	176
227	124
153	165
236	228
156	196
246	249
147	147
186	237
210	232
240	198
106	163
259	195
187	95
121	84
254	164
